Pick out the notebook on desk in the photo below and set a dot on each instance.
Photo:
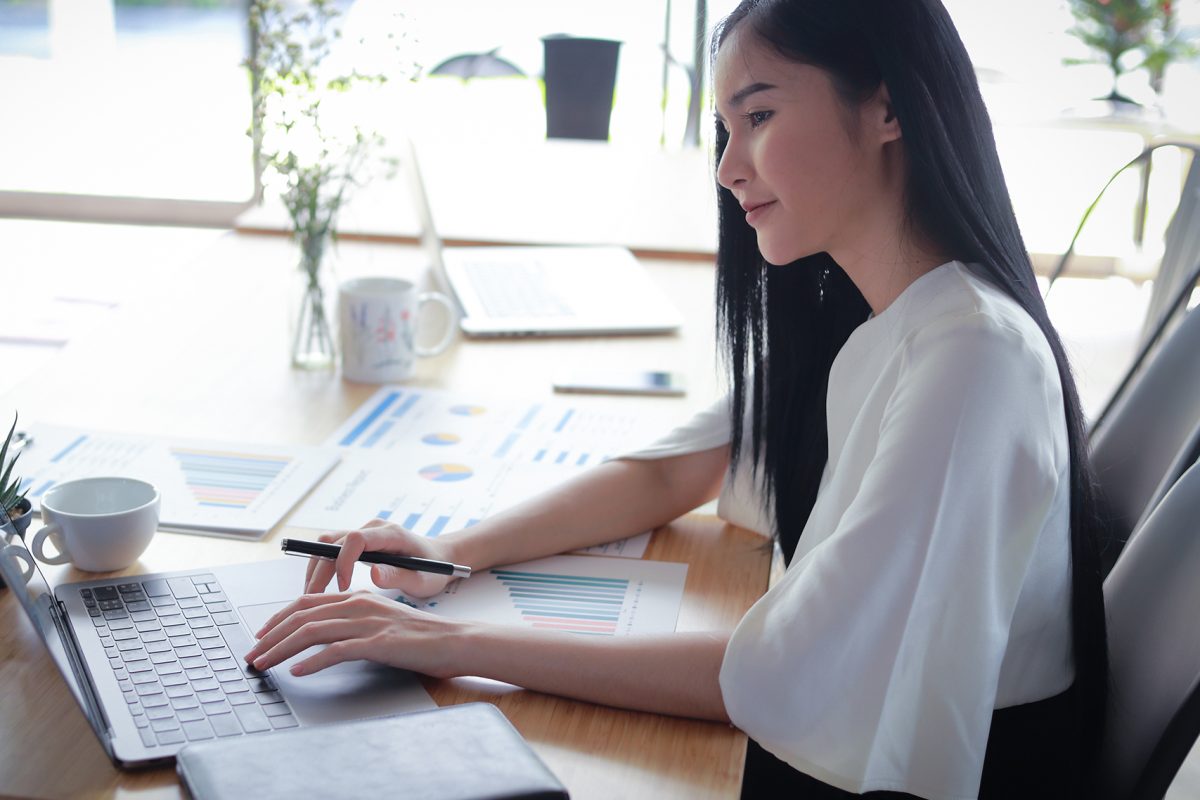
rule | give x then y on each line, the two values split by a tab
542	291
156	661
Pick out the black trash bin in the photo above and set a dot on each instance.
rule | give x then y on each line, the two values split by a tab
581	75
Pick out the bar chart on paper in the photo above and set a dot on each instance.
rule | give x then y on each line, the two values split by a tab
580	594
429	497
565	602
206	486
474	456
550	432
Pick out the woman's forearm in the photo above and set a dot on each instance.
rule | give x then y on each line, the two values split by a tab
675	673
611	501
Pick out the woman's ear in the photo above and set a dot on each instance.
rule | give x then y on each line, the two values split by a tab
882	116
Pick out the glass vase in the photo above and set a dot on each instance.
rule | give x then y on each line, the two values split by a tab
312	335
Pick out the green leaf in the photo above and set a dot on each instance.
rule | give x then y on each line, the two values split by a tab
7	439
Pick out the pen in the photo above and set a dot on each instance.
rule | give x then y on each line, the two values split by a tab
299	547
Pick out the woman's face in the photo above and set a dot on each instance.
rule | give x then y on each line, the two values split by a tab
790	161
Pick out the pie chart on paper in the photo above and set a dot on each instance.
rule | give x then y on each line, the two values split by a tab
441	438
446	473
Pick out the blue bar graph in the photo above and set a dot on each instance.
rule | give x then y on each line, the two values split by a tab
540	454
385	514
438	525
411	521
403	408
506	445
226	479
62	453
562	423
529	417
561	457
582	460
565	602
377	434
369	420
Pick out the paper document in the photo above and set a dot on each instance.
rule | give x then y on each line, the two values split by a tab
580	594
555	433
206	487
436	461
429	496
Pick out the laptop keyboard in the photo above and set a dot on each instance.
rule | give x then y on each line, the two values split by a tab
176	647
514	290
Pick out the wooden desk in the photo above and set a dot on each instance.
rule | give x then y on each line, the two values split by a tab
199	349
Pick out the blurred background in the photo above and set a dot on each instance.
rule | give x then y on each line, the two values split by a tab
138	110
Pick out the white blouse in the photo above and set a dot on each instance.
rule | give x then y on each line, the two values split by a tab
931	584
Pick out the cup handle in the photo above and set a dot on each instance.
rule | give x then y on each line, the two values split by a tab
55	534
451	322
27	561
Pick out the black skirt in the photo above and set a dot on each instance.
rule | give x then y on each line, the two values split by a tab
1032	753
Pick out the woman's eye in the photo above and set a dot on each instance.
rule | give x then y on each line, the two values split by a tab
757	118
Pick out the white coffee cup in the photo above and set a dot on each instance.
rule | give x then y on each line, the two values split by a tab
98	524
377	319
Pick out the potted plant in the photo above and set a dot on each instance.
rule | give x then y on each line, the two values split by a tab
1129	35
12	499
309	147
17	508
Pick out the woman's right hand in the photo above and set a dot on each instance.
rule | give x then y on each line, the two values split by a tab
383	536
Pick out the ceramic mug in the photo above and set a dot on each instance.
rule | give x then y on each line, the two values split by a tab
98	524
377	320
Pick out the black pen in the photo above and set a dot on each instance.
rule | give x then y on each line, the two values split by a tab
299	547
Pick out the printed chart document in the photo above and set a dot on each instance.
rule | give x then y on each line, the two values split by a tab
582	594
439	461
207	487
556	433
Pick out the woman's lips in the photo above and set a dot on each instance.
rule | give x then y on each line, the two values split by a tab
756	211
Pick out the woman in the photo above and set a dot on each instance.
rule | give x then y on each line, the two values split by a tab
902	418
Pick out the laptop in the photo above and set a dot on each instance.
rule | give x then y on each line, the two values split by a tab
155	661
544	290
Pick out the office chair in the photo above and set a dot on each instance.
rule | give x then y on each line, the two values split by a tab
1142	441
1137	437
1152	598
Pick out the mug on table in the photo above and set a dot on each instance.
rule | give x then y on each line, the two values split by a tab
98	524
377	320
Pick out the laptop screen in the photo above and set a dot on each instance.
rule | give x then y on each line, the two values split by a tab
39	605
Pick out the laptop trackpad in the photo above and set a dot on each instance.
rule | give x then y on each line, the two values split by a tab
350	690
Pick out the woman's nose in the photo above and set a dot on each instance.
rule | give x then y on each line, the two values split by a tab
731	171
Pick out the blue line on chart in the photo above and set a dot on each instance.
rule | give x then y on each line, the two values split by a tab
562	423
553	577
406	405
377	434
69	448
369	420
503	449
528	418
411	521
438	525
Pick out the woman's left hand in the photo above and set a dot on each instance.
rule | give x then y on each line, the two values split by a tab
355	626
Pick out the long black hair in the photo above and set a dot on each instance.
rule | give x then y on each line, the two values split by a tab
781	327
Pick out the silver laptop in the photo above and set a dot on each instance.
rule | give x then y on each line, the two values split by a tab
155	661
542	291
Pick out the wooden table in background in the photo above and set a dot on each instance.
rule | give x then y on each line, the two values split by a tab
198	349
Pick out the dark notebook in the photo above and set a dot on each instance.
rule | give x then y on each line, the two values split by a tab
464	752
